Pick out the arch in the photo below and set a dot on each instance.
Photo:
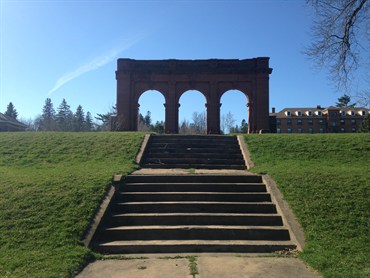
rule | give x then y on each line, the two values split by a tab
236	103
152	101
210	77
192	120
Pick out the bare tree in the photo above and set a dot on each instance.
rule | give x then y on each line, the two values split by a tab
227	122
336	32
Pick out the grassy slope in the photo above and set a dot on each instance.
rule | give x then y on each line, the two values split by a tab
50	185
326	180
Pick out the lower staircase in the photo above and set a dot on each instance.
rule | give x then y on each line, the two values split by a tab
191	213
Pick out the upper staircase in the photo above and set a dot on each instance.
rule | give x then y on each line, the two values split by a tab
193	151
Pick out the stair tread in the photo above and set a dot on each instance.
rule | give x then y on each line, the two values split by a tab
209	227
193	202
195	183
193	242
198	214
194	192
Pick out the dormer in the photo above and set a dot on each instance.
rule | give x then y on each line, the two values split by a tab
362	112
342	113
309	113
351	112
318	113
288	113
298	113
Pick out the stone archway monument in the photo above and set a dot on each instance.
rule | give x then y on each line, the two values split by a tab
211	77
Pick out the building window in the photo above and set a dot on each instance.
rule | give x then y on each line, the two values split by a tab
343	113
310	130
362	113
321	122
289	130
310	122
300	130
298	113
342	130
318	113
342	121
353	129
309	113
287	113
353	122
289	122
278	122
334	124
322	130
278	130
299	122
352	113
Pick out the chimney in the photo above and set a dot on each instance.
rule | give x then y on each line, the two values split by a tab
273	109
318	106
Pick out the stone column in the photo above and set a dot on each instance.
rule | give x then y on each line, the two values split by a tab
124	106
172	110
262	102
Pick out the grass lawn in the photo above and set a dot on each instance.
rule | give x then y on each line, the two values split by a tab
326	180
50	186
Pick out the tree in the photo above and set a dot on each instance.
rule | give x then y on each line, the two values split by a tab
227	122
79	119
244	126
47	121
335	34
200	123
158	127
344	102
365	126
106	118
89	125
11	111
64	117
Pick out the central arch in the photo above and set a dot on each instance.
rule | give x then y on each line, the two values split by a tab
210	77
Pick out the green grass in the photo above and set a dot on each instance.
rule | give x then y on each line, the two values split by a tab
50	186
326	181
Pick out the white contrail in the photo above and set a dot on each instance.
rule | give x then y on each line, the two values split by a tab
92	65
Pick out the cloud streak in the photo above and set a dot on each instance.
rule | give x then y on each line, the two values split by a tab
92	65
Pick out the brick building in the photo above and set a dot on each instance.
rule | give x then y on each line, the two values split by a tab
317	120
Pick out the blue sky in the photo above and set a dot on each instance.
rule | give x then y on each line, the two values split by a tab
68	49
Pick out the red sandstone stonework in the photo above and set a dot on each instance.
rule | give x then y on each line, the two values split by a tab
211	77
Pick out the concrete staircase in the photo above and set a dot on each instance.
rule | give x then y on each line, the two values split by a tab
191	213
193	151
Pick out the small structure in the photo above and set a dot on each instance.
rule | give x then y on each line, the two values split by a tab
317	119
9	124
211	77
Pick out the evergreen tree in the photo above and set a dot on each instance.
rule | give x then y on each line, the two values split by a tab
79	119
64	117
106	119
344	101
365	126
10	111
244	126
148	119
88	122
47	121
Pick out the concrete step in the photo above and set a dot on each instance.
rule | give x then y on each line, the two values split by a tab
187	138
194	207
238	219
192	246
191	151
191	232
193	196
193	144
195	166
193	187
194	160
237	179
236	156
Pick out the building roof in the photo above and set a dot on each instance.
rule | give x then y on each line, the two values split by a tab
314	111
6	120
